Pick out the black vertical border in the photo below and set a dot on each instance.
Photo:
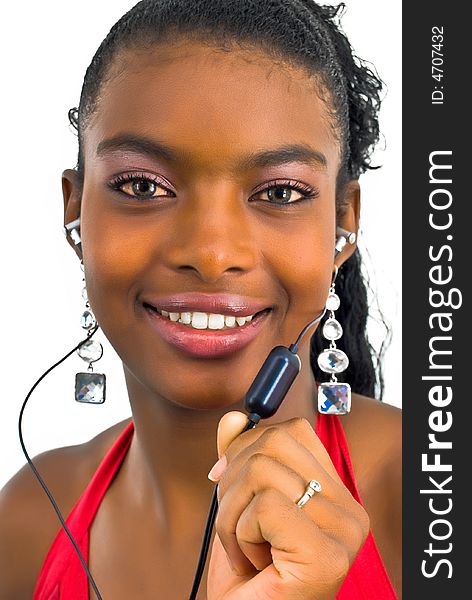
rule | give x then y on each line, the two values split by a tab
429	127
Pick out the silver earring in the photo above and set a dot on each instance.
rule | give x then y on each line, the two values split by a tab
334	397
90	387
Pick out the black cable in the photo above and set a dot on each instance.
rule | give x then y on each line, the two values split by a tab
253	419
38	476
294	347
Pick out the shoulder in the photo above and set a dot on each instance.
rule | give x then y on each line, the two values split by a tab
28	522
374	434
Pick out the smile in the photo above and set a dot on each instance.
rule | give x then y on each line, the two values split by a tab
206	335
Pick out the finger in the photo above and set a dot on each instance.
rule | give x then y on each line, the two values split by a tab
304	557
263	472
260	472
278	444
230	426
299	428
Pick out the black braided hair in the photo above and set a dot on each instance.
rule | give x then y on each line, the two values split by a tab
299	33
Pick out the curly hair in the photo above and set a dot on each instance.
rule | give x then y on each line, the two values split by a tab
295	32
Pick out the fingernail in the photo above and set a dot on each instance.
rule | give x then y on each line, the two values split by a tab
218	469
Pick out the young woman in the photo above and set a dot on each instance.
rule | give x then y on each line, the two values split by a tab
220	146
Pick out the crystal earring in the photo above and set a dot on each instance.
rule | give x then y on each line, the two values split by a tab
90	387
333	397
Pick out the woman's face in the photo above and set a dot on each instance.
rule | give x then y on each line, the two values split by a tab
183	191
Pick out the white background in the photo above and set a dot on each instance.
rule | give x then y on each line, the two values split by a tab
45	49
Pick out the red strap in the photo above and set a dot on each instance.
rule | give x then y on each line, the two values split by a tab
367	578
62	575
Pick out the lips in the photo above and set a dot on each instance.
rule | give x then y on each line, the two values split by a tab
206	343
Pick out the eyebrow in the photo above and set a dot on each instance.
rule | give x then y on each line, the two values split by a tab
266	158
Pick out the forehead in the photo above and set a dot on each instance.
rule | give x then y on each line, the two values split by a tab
212	104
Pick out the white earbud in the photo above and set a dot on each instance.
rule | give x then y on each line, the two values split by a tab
73	229
344	237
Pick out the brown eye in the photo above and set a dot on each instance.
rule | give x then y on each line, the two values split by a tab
143	188
284	193
139	186
280	194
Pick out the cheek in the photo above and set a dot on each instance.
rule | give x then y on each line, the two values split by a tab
115	257
306	271
304	260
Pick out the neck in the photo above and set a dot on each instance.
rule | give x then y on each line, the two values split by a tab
174	447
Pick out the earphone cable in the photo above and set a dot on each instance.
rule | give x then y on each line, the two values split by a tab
38	476
210	523
294	347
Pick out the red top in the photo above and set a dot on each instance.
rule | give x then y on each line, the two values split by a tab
63	577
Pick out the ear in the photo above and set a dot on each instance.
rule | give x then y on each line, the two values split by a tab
72	194
349	218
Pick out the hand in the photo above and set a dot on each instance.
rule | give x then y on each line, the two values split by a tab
280	551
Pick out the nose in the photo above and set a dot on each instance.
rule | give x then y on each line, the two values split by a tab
213	233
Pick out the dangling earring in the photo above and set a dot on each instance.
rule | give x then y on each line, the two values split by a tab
90	387
333	397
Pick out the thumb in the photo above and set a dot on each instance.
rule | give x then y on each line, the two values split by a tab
230	426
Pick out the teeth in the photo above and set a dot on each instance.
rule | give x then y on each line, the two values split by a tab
230	321
201	320
216	321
